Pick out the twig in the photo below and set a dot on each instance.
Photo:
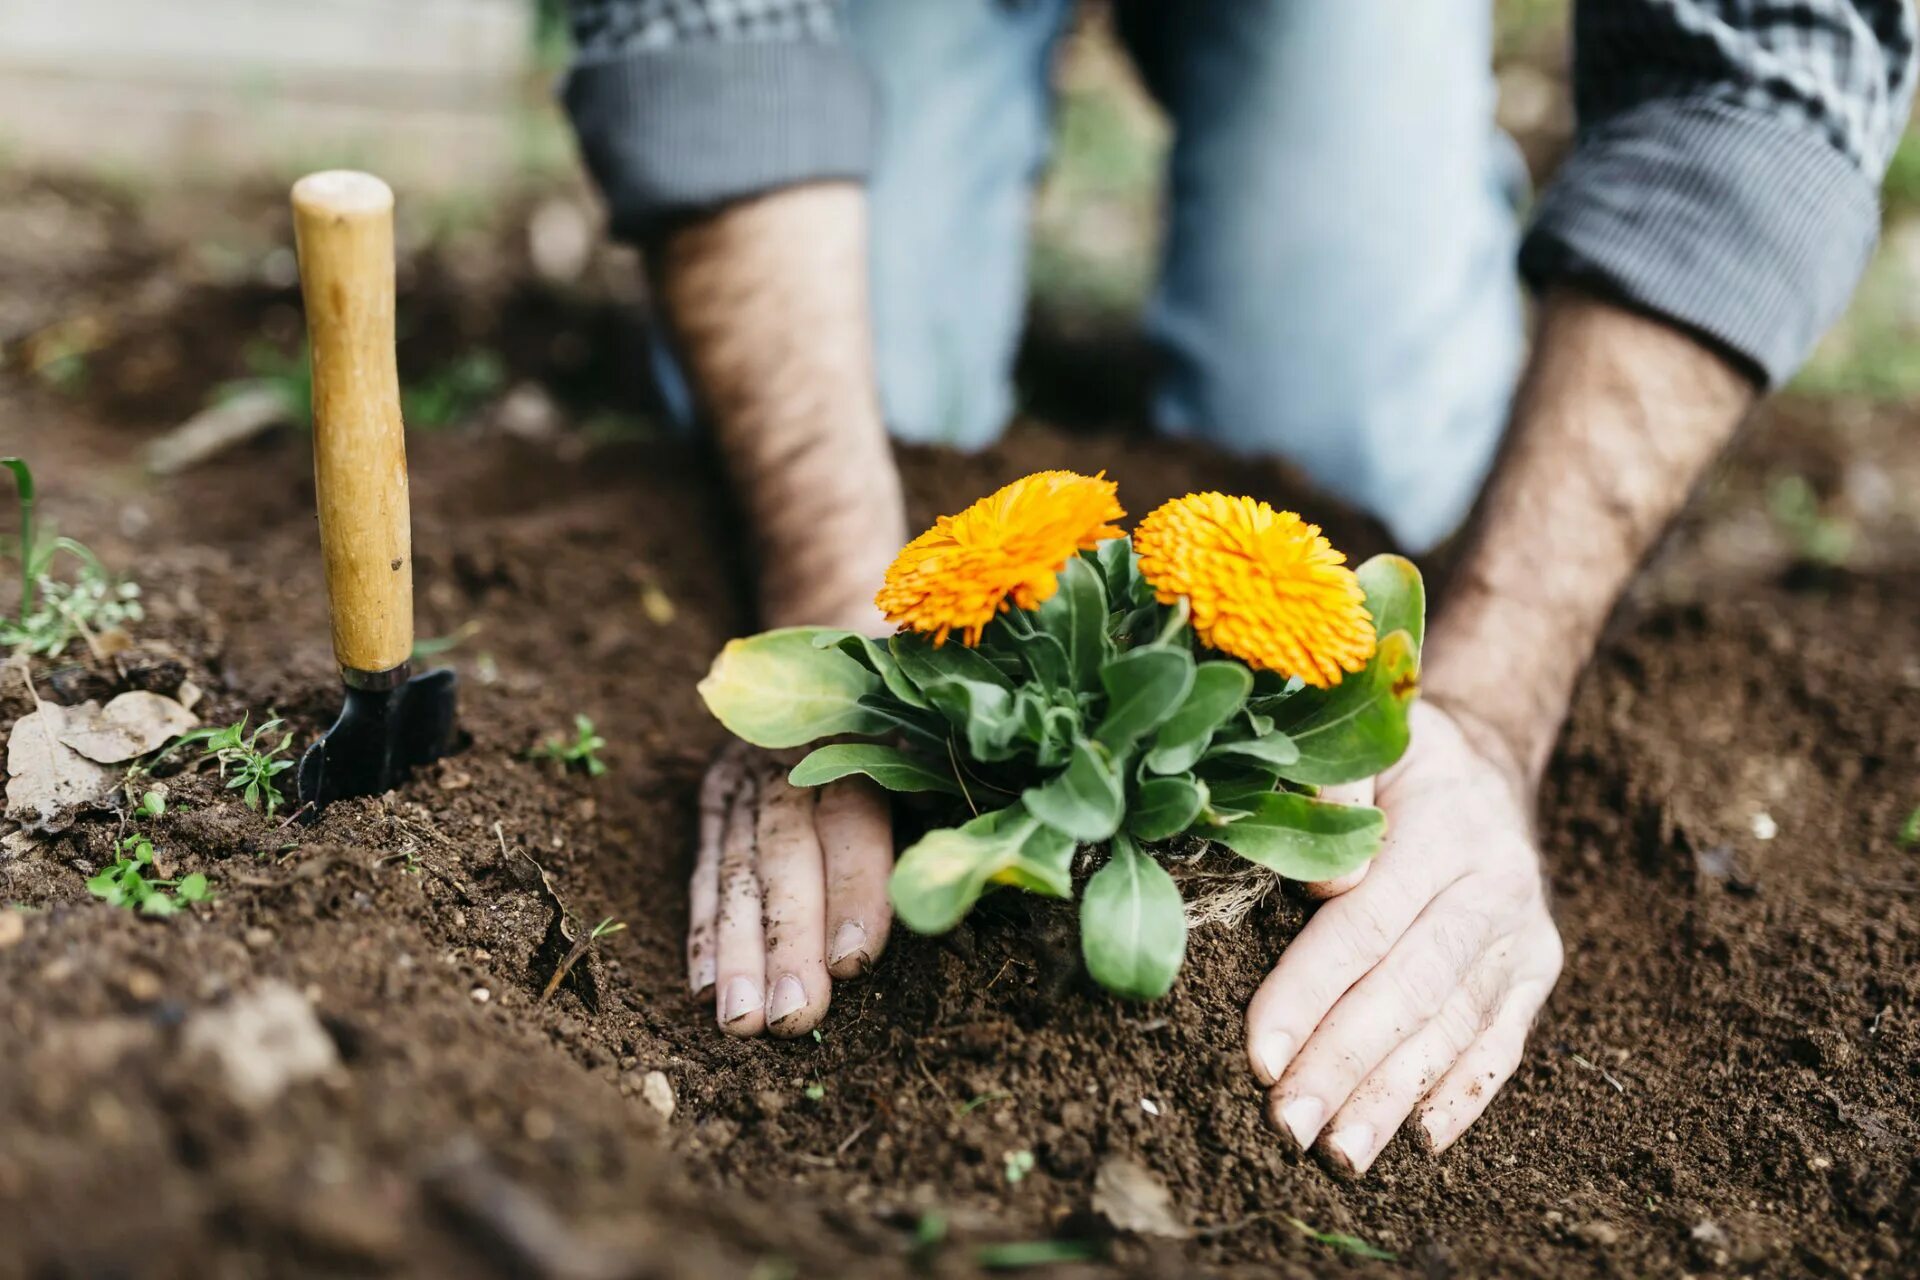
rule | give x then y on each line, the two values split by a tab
852	1138
1604	1073
938	1088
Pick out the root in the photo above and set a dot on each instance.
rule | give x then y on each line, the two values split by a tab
1222	890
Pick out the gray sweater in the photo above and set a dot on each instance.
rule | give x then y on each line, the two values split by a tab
1725	172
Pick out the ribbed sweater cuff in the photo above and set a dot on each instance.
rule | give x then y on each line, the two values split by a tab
685	128
1735	224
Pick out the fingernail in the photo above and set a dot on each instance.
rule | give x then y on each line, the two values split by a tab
1271	1050
788	997
1353	1144
851	939
743	997
1427	1126
1302	1117
702	980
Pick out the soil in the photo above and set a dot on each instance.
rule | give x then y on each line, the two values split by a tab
1726	1081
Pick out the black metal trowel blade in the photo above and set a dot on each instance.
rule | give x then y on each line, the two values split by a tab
380	736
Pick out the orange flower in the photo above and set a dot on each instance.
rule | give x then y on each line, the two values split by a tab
1263	585
1010	545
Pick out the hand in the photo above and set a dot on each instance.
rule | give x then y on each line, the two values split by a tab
789	888
1412	990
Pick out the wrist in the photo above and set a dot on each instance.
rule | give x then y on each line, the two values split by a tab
1482	674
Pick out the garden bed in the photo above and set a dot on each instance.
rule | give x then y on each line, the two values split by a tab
1727	1079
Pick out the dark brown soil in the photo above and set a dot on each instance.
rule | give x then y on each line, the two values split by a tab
1726	1080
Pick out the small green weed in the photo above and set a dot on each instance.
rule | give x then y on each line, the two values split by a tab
1345	1243
1910	830
1017	1255
53	612
584	750
975	1103
815	1091
1817	538
290	377
125	883
605	928
451	394
152	805
434	646
1019	1165
252	763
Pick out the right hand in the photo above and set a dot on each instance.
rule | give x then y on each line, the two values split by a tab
789	891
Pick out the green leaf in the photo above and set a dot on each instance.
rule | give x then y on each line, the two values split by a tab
1044	656
966	688
1144	687
1358	727
1275	749
158	904
193	888
1076	616
1235	788
1345	1243
940	877
1303	838
1133	927
22	477
1396	597
1219	690
870	653
1120	568
1083	800
891	768
1165	807
928	666
1016	1255
777	689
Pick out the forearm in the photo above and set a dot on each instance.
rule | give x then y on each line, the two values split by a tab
767	300
1615	422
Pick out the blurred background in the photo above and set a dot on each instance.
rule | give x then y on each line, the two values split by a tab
145	262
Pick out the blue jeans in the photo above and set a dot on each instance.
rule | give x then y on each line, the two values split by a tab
1338	282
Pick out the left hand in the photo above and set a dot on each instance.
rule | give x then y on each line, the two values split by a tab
1415	986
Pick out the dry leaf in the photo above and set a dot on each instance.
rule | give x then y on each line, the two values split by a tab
129	726
1133	1198
46	779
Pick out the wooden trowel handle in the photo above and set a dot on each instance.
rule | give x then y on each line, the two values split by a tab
343	228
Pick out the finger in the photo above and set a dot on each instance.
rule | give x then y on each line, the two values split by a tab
856	834
703	892
1361	793
1361	1129
740	957
1464	1092
793	882
1343	941
1404	992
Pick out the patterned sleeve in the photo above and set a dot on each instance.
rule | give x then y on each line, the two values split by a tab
684	105
1726	169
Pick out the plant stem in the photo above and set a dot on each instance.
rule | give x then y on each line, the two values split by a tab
1176	619
23	481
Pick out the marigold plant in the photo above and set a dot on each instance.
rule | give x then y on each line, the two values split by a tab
1105	708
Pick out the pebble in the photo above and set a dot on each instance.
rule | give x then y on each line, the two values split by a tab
480	995
259	939
1149	1106
1764	827
263	1042
658	1092
13	927
1601	1235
